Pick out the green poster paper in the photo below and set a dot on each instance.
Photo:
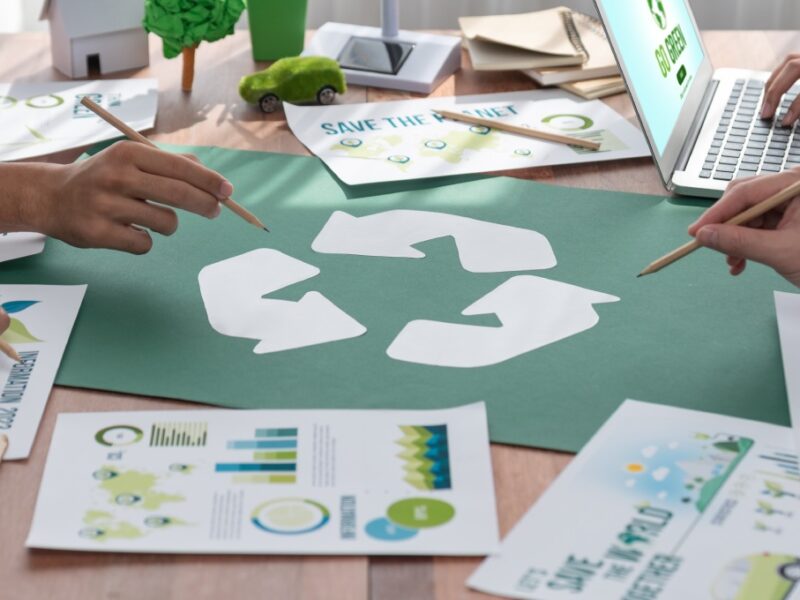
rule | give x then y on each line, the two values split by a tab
690	336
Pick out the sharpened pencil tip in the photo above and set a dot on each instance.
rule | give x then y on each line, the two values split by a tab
265	229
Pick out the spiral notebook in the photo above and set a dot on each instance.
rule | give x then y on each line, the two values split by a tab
556	45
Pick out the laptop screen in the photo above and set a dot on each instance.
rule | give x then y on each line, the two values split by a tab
661	50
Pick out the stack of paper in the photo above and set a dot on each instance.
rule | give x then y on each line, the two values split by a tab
552	47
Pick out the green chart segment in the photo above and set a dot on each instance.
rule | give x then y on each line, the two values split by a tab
690	336
426	456
270	457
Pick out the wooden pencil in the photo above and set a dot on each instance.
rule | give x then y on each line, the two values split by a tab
3	445
519	130
748	215
9	351
135	136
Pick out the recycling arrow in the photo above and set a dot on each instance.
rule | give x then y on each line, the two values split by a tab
483	247
232	292
533	311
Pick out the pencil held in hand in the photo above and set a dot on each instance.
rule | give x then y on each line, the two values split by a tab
742	218
135	136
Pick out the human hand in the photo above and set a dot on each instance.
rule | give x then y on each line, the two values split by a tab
782	78
5	321
772	239
108	200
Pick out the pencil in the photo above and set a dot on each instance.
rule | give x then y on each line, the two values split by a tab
751	213
134	135
3	446
519	130
9	351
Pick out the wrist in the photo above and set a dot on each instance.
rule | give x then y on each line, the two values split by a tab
29	191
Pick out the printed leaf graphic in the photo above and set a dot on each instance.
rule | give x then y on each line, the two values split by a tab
39	136
17	305
17	333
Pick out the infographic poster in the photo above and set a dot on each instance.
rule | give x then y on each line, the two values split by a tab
394	141
662	503
41	319
270	482
42	118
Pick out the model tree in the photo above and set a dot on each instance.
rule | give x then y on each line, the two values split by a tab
183	24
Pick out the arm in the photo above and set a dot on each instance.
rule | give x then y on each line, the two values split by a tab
111	199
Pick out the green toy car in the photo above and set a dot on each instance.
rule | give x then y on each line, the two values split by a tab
297	79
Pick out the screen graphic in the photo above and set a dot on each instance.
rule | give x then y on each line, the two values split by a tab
661	50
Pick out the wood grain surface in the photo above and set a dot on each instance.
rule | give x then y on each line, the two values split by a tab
213	114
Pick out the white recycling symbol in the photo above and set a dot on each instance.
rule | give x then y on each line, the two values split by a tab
533	311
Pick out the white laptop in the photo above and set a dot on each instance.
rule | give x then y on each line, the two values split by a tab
702	124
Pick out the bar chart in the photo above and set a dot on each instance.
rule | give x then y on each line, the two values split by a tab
178	434
270	457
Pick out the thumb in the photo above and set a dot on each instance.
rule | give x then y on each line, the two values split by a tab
741	242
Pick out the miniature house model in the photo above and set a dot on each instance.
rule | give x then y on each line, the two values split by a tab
93	37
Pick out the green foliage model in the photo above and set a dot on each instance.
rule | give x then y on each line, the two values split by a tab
183	24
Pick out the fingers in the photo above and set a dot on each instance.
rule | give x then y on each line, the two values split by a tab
138	212
742	195
5	321
781	80
127	238
176	166
792	113
742	243
174	192
736	265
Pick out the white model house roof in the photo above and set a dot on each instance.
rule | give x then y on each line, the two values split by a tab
92	17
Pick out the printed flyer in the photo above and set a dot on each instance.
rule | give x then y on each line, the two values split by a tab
392	141
42	118
19	244
662	503
41	322
270	482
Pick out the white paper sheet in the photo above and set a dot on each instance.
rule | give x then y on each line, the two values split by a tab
233	291
483	247
42	118
533	312
394	141
787	307
19	244
269	482
41	321
663	503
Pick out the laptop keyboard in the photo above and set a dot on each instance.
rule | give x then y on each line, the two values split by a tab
744	145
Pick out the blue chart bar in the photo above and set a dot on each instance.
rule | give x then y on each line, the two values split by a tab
238	467
257	444
280	432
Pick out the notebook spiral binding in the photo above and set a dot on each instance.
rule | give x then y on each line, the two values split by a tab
568	17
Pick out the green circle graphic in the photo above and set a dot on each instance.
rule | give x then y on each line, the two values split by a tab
351	142
119	435
480	129
419	513
435	144
290	516
522	152
46	101
399	158
567	122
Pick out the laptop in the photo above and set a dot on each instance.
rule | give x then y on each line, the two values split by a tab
702	124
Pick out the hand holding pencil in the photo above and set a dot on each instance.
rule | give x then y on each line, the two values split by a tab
756	219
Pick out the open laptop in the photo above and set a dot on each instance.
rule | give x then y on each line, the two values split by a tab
702	124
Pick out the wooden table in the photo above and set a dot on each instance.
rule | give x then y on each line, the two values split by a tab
214	115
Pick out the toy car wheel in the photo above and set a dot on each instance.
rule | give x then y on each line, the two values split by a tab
326	95
269	103
790	571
